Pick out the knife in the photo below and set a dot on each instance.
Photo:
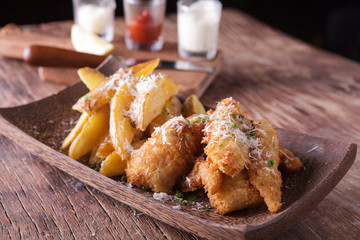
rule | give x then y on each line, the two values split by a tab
39	55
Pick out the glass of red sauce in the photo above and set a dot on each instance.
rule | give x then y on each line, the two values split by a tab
144	23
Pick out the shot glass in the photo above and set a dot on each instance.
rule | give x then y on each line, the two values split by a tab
144	23
96	16
198	28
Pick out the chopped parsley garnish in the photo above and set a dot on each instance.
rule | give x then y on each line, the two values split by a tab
144	188
304	160
187	122
94	167
207	208
205	119
271	163
178	194
185	202
87	97
193	197
184	177
235	126
248	137
123	178
231	120
132	123
245	130
233	135
183	137
234	116
196	121
46	135
124	116
161	73
253	134
221	145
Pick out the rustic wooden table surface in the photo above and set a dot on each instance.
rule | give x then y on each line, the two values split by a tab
293	85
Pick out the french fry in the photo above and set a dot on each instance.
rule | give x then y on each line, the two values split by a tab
113	165
93	131
122	129
105	148
91	77
147	105
144	69
171	109
192	105
75	131
104	92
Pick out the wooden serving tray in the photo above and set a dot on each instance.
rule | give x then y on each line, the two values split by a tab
328	161
13	44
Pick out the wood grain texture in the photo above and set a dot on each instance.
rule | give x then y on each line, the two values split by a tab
275	77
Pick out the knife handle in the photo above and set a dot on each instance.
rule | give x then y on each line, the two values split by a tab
58	57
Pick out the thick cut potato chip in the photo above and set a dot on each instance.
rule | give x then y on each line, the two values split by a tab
122	129
94	130
171	109
103	93
191	106
113	165
91	77
149	103
75	131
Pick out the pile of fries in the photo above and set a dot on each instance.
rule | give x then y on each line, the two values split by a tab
133	124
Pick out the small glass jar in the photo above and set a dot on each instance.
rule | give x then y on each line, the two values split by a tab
95	16
198	28
144	23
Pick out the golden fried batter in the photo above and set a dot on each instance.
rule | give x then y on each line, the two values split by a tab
235	194
192	180
166	156
288	161
263	170
210	176
225	134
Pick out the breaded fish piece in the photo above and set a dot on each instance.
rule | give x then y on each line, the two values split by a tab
192	181
165	157
288	161
226	137
211	177
263	170
234	194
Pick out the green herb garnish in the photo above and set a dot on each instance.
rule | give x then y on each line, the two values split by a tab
304	160
132	123
253	134
178	194
193	197
233	134
187	122
185	202
123	178
183	137
46	135
207	208
245	130
271	163
235	126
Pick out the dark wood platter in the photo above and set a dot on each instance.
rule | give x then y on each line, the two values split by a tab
39	127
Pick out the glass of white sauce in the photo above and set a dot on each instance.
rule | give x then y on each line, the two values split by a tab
96	16
198	28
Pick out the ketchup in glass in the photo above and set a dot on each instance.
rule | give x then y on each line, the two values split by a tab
143	28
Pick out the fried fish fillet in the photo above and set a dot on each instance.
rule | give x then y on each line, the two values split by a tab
288	161
226	137
192	181
234	194
165	157
263	170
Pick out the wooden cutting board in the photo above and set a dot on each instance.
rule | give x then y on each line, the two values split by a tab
13	44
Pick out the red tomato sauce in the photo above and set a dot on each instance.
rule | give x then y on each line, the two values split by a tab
143	29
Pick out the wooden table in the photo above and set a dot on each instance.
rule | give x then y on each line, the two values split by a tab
284	80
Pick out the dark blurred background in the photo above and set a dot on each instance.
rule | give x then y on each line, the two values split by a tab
330	24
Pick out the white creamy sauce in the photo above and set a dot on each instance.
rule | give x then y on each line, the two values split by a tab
198	26
93	18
